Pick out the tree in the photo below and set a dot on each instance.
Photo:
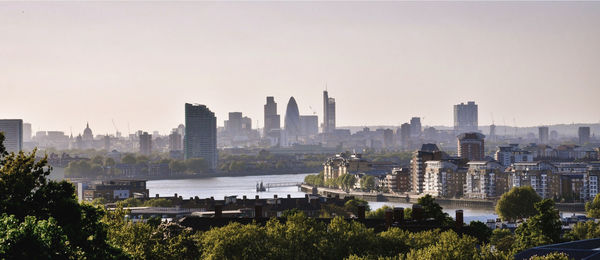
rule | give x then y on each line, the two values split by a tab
128	159
352	205
542	228
551	256
25	191
433	210
592	208
502	239
480	231
518	203
367	182
196	165
378	213
177	166
584	230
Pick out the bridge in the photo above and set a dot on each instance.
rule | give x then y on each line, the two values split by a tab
279	185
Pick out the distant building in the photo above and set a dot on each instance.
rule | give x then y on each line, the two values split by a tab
175	141
145	143
471	146
584	134
113	189
492	136
465	117
26	132
428	152
292	122
309	125
88	136
543	134
13	134
485	180
405	135
507	155
541	176
328	113
388	138
415	127
272	119
107	143
200	140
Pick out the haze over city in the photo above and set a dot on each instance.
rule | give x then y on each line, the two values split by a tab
63	64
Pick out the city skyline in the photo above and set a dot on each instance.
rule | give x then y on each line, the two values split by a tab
383	62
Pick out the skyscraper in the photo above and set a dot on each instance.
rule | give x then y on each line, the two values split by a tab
471	146
465	117
146	143
200	139
292	121
13	134
26	132
272	119
584	134
175	141
309	125
543	134
415	126
328	113
405	136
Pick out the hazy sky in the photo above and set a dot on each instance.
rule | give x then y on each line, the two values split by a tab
62	64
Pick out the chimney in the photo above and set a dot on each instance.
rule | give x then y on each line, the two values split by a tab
256	197
258	211
289	196
388	218
459	219
398	215
157	196
417	212
361	212
218	211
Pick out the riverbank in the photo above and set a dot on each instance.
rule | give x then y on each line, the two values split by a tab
412	198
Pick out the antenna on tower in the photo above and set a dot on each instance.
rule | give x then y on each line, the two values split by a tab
492	113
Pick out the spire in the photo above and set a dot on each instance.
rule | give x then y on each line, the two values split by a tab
87	125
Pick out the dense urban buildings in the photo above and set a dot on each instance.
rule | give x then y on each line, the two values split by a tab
309	125
471	146
465	117
13	134
200	140
428	152
328	113
415	127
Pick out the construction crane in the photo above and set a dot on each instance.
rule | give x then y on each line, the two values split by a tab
311	109
115	126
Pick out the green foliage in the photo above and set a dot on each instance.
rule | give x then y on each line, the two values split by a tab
518	203
367	183
480	231
352	206
592	208
551	256
542	228
502	239
160	202
129	159
25	191
378	213
432	209
315	179
196	165
584	230
33	239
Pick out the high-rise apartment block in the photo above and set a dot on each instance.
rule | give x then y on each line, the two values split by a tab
415	126
328	113
543	134
471	146
428	152
175	141
405	135
27	132
145	143
465	117
584	134
272	119
13	134
200	139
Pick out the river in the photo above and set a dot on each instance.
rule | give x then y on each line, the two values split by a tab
220	187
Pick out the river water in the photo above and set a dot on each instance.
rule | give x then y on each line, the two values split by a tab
220	187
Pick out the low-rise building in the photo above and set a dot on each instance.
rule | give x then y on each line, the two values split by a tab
115	189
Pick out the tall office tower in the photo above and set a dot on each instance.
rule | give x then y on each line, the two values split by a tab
13	134
200	140
405	135
428	152
584	134
415	127
272	119
465	117
146	143
388	138
175	141
328	113
543	134
292	121
233	126
492	133
471	146
26	132
309	125
107	143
